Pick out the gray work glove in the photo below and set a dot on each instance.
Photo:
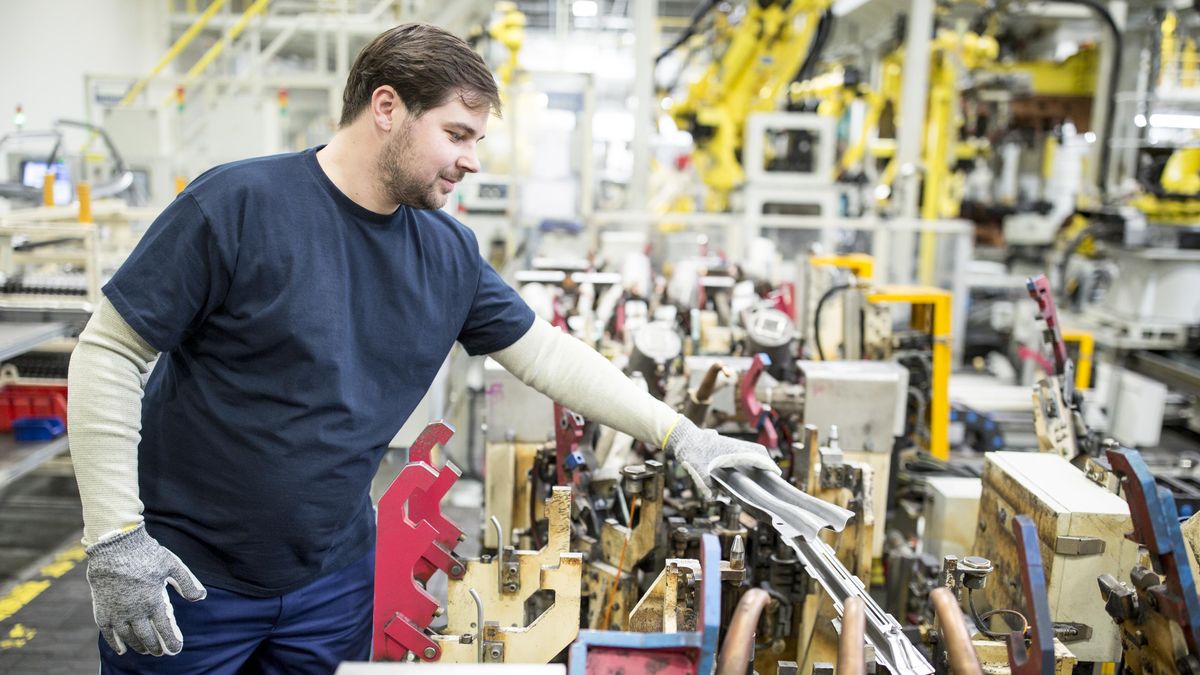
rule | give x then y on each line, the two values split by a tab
128	573
703	450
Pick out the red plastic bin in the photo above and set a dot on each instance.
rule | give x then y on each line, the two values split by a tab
17	401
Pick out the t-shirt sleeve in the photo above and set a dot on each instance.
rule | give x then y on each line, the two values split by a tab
498	317
177	275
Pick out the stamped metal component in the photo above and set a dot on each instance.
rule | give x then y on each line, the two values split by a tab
768	496
799	517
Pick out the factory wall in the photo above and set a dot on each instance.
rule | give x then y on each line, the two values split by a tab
47	46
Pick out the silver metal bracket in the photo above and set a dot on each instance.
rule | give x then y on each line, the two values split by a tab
1065	545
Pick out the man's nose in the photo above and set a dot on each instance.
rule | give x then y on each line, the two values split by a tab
469	161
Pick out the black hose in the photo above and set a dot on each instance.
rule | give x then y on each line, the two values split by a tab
824	32
980	22
980	619
1114	78
687	34
817	316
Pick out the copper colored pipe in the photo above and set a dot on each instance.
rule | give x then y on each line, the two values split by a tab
738	647
705	391
700	400
850	645
963	660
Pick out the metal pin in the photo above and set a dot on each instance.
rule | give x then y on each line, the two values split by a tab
737	553
499	555
478	622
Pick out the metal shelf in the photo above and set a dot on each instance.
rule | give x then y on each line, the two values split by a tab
18	459
18	338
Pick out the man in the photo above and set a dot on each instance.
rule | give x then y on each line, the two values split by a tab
298	307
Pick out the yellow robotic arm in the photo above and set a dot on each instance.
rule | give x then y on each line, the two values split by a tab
764	53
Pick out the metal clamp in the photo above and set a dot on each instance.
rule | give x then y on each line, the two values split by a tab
756	412
568	433
1152	509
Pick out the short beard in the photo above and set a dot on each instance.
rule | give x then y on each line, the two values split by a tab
399	183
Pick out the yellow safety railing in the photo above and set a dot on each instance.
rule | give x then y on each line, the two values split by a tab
861	264
180	44
930	313
234	31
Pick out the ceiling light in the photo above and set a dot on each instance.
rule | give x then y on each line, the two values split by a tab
1174	121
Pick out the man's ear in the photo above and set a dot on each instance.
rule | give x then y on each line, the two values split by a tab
386	107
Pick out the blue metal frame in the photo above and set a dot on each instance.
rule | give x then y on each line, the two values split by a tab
1039	658
705	640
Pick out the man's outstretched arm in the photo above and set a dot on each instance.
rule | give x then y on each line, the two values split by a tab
575	375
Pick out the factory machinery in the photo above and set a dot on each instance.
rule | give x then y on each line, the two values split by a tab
911	529
601	555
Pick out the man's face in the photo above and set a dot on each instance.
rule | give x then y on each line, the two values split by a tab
424	158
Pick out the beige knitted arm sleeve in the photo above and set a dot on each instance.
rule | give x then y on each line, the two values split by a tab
574	374
104	406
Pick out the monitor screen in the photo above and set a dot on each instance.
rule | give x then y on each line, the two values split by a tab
33	174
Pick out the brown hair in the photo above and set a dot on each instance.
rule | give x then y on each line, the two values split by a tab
426	65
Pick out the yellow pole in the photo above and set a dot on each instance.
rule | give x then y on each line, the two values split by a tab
215	51
939	400
935	174
1048	150
1188	75
180	44
1167	58
84	190
180	184
1087	350
48	187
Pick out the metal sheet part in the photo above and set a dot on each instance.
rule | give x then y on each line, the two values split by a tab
799	518
769	497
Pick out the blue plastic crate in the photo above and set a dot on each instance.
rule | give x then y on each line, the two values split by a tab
38	428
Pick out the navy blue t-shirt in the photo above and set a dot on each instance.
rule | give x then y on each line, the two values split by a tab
298	330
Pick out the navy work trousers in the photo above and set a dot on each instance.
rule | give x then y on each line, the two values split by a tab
310	630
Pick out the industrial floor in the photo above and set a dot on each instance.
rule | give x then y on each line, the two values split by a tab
46	624
46	621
